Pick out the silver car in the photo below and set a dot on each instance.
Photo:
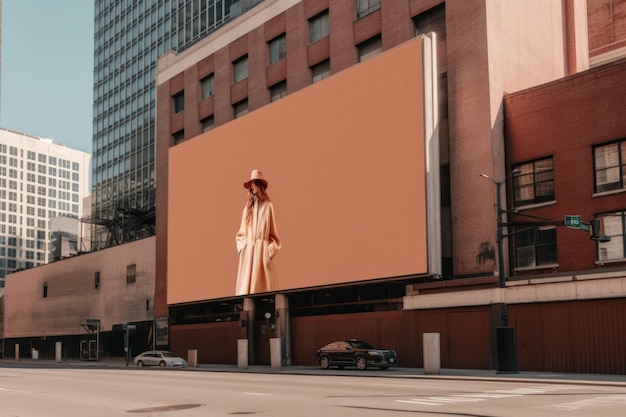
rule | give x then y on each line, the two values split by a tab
162	358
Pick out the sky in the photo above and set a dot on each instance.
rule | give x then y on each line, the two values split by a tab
47	70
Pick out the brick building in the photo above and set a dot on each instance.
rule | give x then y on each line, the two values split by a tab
283	49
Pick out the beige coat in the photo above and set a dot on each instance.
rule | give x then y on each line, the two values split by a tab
257	243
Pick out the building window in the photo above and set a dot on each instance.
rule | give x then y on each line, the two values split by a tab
535	248
207	123
240	108
131	273
45	290
610	166
207	86
241	69
320	71
433	20
179	102
278	49
179	136
370	48
278	91
365	7
319	26
615	228
96	280
535	182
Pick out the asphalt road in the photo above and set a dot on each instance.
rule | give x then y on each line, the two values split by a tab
71	392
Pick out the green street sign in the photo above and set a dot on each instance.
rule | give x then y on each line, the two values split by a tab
573	222
584	227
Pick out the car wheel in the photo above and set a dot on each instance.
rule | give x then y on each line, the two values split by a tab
140	364
325	362
361	363
162	364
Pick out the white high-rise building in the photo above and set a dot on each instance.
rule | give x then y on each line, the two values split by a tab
39	180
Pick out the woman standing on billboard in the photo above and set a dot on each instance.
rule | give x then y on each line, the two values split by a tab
257	239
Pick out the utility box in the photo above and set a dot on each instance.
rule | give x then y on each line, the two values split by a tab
506	349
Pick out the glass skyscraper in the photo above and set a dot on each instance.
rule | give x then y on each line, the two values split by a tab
129	37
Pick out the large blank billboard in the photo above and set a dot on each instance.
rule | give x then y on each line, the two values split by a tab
345	161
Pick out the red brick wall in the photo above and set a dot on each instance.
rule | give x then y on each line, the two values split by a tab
564	119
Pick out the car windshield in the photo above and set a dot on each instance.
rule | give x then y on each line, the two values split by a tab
169	355
358	344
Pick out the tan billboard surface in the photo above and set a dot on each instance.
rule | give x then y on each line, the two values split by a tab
345	163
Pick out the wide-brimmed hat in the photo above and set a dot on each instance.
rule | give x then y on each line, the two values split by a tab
256	175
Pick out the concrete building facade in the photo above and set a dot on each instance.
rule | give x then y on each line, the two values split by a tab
116	287
39	180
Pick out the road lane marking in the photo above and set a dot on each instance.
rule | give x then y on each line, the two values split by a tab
596	402
256	393
482	396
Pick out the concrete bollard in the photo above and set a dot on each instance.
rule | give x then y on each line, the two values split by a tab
17	352
58	351
242	353
276	353
432	353
192	358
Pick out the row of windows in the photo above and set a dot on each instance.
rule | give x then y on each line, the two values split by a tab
52	167
131	277
277	50
52	160
41	202
537	247
63	185
30	199
534	182
41	190
19	241
12	253
12	150
30	211
53	171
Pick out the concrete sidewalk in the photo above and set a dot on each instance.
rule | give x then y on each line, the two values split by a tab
399	372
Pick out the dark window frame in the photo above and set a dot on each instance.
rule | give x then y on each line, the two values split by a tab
278	91
538	182
617	235
618	167
237	68
319	26
366	7
131	273
542	242
207	86
278	48
178	102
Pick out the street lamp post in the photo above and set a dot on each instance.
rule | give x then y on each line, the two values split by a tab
505	334
500	224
